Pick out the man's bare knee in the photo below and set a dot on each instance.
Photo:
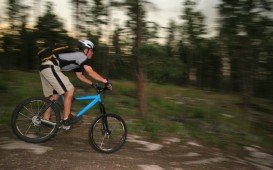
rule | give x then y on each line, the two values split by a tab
70	92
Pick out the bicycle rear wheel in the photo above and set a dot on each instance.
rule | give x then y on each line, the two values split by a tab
29	123
107	133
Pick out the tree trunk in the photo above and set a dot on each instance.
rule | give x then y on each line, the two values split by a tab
77	19
246	73
141	78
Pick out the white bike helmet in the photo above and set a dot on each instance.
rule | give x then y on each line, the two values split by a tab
82	44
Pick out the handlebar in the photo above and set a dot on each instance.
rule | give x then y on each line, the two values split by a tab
101	90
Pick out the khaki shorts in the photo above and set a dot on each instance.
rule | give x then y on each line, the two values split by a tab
54	80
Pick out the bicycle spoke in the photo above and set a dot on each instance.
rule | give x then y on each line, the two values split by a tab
24	115
113	128
28	128
41	108
103	140
22	123
31	107
28	110
38	106
40	130
116	125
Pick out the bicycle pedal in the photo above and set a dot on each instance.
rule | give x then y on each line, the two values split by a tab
66	127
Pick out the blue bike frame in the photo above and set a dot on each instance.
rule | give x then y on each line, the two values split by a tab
94	100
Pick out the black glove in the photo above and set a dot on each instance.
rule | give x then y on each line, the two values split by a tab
108	85
95	85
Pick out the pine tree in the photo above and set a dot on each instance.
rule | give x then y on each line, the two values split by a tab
49	27
192	31
244	32
98	17
13	44
171	41
80	11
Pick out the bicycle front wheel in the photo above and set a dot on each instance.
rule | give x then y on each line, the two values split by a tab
107	133
35	120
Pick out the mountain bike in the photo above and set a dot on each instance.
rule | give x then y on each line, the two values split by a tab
107	132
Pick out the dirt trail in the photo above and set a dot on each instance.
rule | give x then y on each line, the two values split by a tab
71	150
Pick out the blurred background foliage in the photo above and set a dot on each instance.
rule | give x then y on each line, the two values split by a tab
238	59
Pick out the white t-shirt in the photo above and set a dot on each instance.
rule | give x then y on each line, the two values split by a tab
72	61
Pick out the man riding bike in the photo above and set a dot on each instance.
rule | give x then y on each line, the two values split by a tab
55	83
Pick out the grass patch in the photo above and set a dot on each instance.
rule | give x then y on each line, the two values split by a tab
156	128
150	128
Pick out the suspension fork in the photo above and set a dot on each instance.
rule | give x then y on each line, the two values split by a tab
102	108
104	118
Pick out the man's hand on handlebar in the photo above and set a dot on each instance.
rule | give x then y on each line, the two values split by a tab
108	85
